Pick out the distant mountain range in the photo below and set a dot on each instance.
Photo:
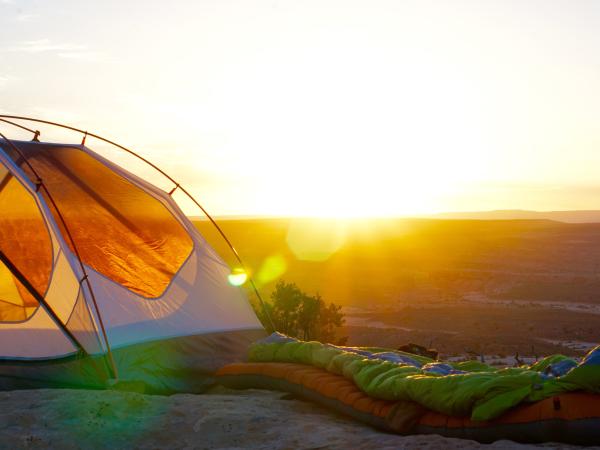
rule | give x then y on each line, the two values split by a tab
583	216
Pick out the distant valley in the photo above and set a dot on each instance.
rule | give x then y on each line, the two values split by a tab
500	286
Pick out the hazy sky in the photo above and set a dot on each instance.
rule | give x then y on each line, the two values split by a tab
326	107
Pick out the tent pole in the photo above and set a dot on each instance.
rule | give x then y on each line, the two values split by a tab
35	133
177	185
237	255
41	300
4	182
40	185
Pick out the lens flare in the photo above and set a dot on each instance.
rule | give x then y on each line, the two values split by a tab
314	239
237	277
272	268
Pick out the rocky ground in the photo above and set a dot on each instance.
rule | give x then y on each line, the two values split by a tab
223	419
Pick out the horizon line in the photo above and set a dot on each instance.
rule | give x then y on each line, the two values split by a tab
441	214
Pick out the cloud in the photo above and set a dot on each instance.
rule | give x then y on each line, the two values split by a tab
45	45
84	56
26	17
68	51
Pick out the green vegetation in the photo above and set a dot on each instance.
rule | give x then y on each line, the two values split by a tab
300	315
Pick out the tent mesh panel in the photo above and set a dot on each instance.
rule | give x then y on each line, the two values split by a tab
121	231
24	239
81	325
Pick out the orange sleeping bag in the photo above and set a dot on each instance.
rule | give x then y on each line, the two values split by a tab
571	417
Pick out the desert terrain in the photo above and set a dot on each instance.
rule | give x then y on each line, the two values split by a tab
469	288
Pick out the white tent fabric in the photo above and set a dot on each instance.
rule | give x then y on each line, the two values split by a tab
198	298
40	336
153	277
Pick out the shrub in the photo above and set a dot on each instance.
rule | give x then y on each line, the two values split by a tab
305	317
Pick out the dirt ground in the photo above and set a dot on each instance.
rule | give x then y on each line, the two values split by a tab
77	419
463	328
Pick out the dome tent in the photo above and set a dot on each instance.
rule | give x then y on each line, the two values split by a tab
103	279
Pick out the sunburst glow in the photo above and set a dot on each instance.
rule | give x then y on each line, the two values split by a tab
330	108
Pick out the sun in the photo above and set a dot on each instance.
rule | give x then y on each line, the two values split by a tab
342	142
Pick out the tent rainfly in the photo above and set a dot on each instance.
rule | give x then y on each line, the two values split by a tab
104	280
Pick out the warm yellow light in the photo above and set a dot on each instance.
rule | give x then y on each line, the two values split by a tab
315	240
237	277
272	268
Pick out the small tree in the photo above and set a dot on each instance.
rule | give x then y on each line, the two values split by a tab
286	301
330	319
309	312
300	315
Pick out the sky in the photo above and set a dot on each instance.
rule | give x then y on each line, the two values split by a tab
325	107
